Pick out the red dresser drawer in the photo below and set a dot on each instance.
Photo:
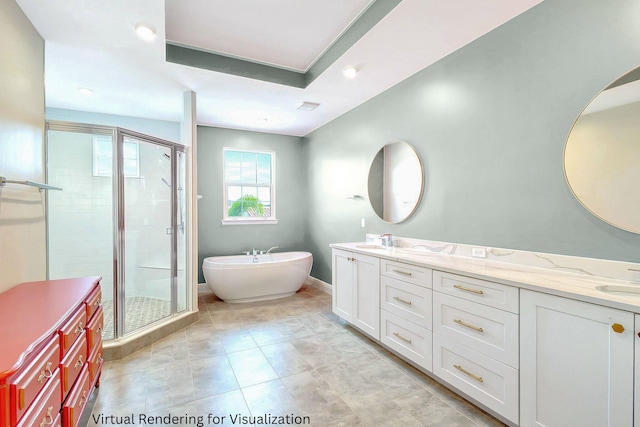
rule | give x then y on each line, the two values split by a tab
26	385
93	301
95	363
73	363
94	330
72	330
45	409
77	400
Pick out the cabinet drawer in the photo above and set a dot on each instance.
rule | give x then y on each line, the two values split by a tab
95	363
407	338
488	293
94	330
72	330
45	409
73	363
409	301
409	273
77	399
482	378
93	301
26	385
485	329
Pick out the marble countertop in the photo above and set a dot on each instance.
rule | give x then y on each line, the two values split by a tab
578	286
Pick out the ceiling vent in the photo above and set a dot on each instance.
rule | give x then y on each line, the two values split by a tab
308	106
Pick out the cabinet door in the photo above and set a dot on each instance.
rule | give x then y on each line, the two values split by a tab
575	370
342	266
366	309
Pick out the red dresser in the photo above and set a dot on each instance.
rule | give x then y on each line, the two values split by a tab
50	351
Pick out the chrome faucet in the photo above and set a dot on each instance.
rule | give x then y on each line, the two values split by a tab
386	239
270	249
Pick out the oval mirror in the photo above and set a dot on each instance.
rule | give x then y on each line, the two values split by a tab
396	181
602	154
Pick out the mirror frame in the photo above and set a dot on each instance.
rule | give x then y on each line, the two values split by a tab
628	77
422	181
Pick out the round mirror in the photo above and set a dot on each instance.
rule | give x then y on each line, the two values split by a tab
602	154
396	180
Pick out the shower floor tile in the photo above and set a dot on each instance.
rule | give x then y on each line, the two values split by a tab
288	357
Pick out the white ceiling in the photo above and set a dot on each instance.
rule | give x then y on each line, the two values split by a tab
93	45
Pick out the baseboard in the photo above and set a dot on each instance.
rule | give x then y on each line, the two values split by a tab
317	283
203	289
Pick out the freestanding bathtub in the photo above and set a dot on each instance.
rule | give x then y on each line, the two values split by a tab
238	278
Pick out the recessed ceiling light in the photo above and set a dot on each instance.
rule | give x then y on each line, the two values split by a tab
308	106
85	91
350	72
146	32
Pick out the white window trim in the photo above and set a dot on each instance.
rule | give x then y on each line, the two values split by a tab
227	220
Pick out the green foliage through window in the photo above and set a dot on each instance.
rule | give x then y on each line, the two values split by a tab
247	205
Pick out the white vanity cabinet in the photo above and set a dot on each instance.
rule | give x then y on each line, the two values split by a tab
576	363
406	311
356	290
476	340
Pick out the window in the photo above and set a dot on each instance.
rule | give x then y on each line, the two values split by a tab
249	187
103	157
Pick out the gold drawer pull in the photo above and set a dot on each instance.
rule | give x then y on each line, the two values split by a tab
402	338
45	373
618	328
402	301
79	362
406	273
83	399
48	418
466	325
462	288
464	371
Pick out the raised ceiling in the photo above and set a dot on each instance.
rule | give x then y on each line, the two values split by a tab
93	45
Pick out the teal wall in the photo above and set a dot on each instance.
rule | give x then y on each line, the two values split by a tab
490	123
291	207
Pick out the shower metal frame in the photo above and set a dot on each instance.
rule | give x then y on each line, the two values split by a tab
118	214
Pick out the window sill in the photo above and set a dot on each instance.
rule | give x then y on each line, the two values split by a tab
253	221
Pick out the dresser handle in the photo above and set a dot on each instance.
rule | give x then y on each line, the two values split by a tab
464	371
402	272
78	328
462	288
83	399
79	362
466	325
99	357
45	373
402	301
97	303
402	338
48	419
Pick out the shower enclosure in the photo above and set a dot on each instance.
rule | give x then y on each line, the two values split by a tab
121	215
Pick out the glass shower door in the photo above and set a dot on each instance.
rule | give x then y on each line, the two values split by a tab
80	237
147	231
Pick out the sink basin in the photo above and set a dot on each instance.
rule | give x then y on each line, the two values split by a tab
367	246
623	291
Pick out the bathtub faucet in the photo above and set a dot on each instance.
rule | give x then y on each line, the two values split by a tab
270	249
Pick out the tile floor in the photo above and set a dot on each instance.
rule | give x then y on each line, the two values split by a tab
291	356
